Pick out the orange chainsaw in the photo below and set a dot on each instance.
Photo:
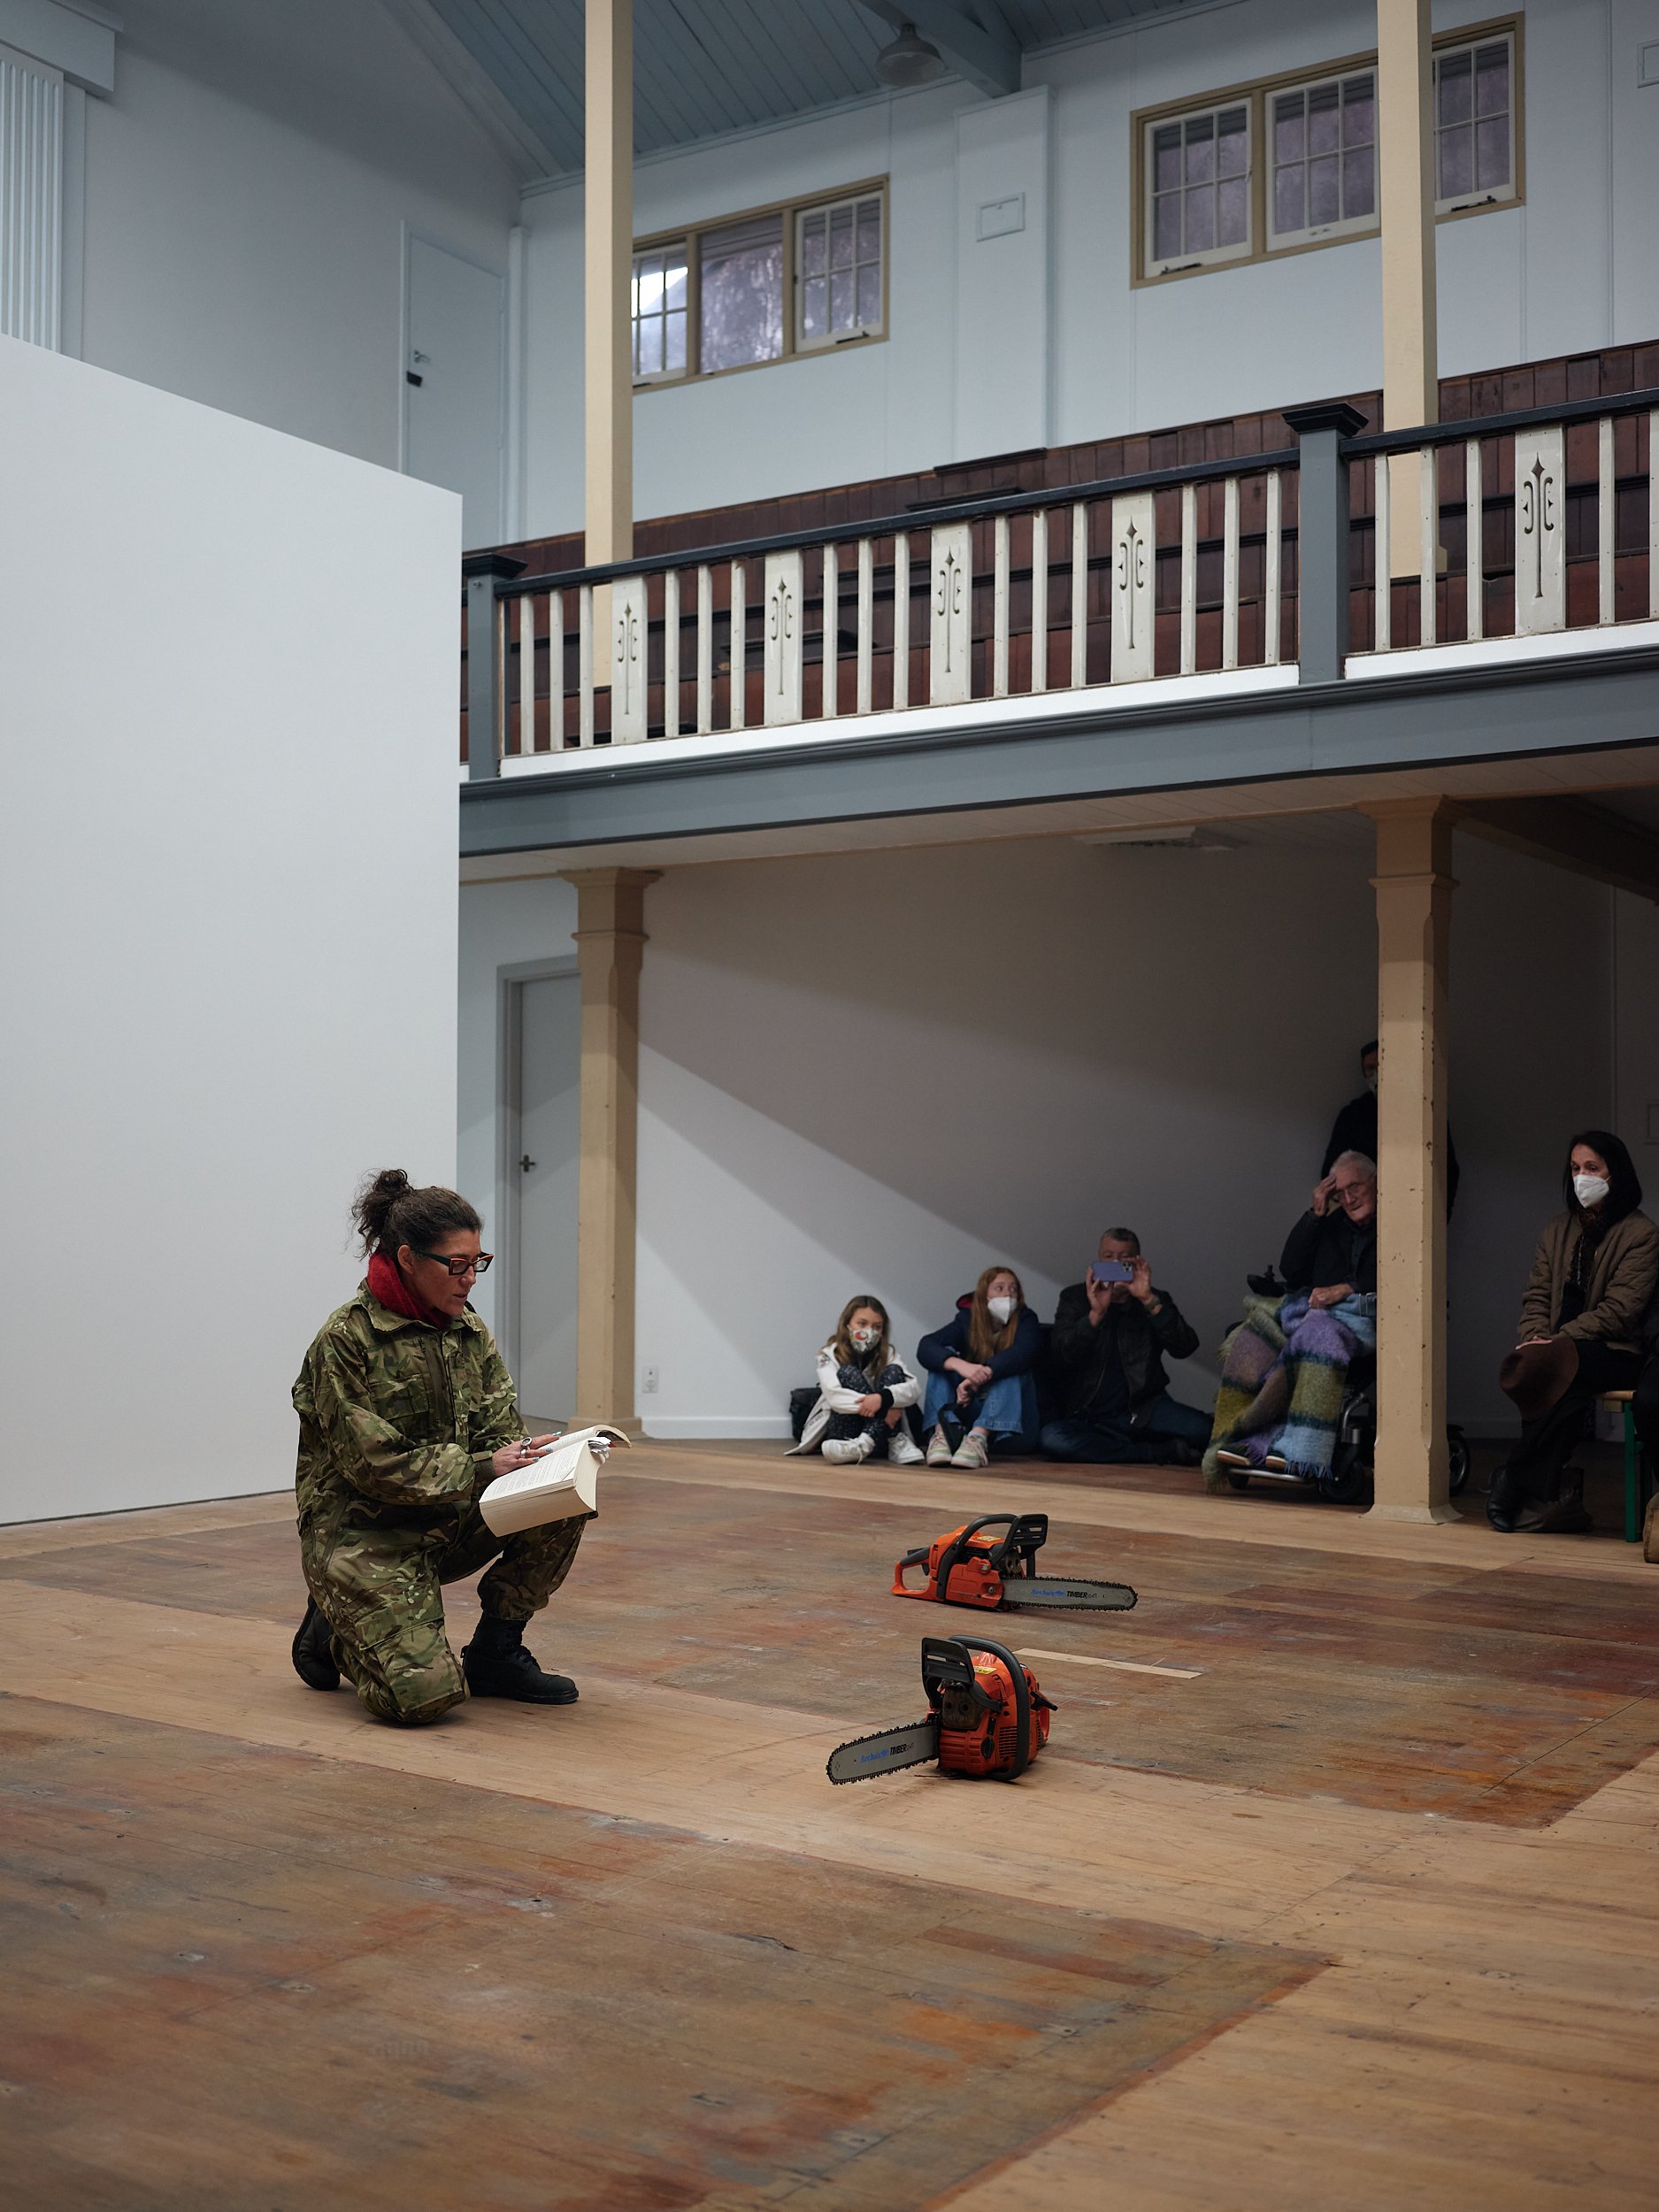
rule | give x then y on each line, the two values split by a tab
1000	1572
987	1718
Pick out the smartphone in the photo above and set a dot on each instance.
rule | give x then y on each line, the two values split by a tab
1113	1272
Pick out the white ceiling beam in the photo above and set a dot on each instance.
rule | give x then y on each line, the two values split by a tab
978	44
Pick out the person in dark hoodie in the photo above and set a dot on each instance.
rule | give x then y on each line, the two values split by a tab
1106	1356
1355	1128
981	1393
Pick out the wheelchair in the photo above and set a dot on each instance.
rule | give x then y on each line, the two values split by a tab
1353	1460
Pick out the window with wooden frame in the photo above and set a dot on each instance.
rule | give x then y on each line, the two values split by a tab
1291	161
1474	124
766	285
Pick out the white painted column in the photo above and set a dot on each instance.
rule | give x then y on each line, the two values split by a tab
1405	156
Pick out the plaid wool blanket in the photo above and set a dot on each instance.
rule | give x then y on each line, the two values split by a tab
1282	1370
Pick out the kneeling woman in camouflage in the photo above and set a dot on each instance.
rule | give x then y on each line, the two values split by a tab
406	1414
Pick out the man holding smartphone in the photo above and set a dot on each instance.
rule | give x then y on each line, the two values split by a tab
1112	1332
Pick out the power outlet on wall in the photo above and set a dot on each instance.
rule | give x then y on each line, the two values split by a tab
648	1382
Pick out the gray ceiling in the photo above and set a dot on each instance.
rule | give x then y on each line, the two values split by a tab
703	67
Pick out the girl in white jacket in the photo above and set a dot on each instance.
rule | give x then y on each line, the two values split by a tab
864	1389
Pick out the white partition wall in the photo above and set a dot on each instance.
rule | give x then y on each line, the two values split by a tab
227	918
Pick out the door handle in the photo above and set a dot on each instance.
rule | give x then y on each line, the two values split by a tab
525	1161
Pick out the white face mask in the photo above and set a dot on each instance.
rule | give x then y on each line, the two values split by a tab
1371	1081
1000	1308
1590	1190
863	1340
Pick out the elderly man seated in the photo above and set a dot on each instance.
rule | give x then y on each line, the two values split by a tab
1284	1366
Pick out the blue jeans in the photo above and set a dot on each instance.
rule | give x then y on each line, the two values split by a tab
1140	1440
999	1408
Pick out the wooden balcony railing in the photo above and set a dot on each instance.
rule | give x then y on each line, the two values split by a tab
1209	570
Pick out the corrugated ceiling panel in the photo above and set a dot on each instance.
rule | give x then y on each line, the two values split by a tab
705	67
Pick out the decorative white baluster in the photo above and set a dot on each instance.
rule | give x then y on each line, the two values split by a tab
630	640
585	664
1428	543
950	616
829	654
1540	573
737	653
1080	595
1653	515
556	671
1040	600
902	620
1189	579
1382	478
1606	521
705	650
866	647
1474	534
1230	574
670	653
523	722
1271	615
782	654
999	608
1134	573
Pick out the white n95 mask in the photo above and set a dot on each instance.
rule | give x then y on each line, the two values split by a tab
1000	1308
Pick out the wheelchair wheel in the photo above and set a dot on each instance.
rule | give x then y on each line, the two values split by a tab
1458	1454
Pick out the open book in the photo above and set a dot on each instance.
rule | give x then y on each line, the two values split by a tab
564	1481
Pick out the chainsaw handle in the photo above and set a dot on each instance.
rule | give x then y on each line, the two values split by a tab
1027	1531
917	1558
1022	1699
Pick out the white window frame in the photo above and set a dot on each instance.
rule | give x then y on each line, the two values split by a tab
1310	233
1486	195
1207	256
826	208
659	251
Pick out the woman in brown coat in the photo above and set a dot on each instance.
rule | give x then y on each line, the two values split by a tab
1580	1331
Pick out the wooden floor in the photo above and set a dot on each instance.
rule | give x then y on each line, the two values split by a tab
1338	1887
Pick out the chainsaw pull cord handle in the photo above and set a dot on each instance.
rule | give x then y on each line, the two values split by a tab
1022	1701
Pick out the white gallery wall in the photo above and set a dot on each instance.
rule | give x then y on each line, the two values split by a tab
248	187
974	364
228	916
885	1072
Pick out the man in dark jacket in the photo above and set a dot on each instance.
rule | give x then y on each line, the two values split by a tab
1355	1128
1331	1252
1106	1366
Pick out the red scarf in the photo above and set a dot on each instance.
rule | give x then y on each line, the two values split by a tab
387	1285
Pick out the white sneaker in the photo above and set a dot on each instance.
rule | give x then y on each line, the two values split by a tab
847	1451
938	1454
971	1452
900	1447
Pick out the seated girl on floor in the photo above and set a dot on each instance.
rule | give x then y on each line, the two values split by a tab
981	1393
864	1390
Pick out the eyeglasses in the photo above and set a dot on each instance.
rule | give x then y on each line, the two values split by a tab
458	1263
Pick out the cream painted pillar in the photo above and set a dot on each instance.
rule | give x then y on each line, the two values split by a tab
608	277
1413	889
610	941
1405	155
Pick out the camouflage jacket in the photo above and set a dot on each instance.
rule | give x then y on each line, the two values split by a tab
398	1421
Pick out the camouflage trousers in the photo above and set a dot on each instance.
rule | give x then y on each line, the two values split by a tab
380	1588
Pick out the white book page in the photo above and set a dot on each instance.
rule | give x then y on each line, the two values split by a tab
563	1481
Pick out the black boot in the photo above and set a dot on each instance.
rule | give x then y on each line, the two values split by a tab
1504	1500
496	1664
313	1652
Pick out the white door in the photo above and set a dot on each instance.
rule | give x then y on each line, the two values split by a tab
550	1129
453	383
